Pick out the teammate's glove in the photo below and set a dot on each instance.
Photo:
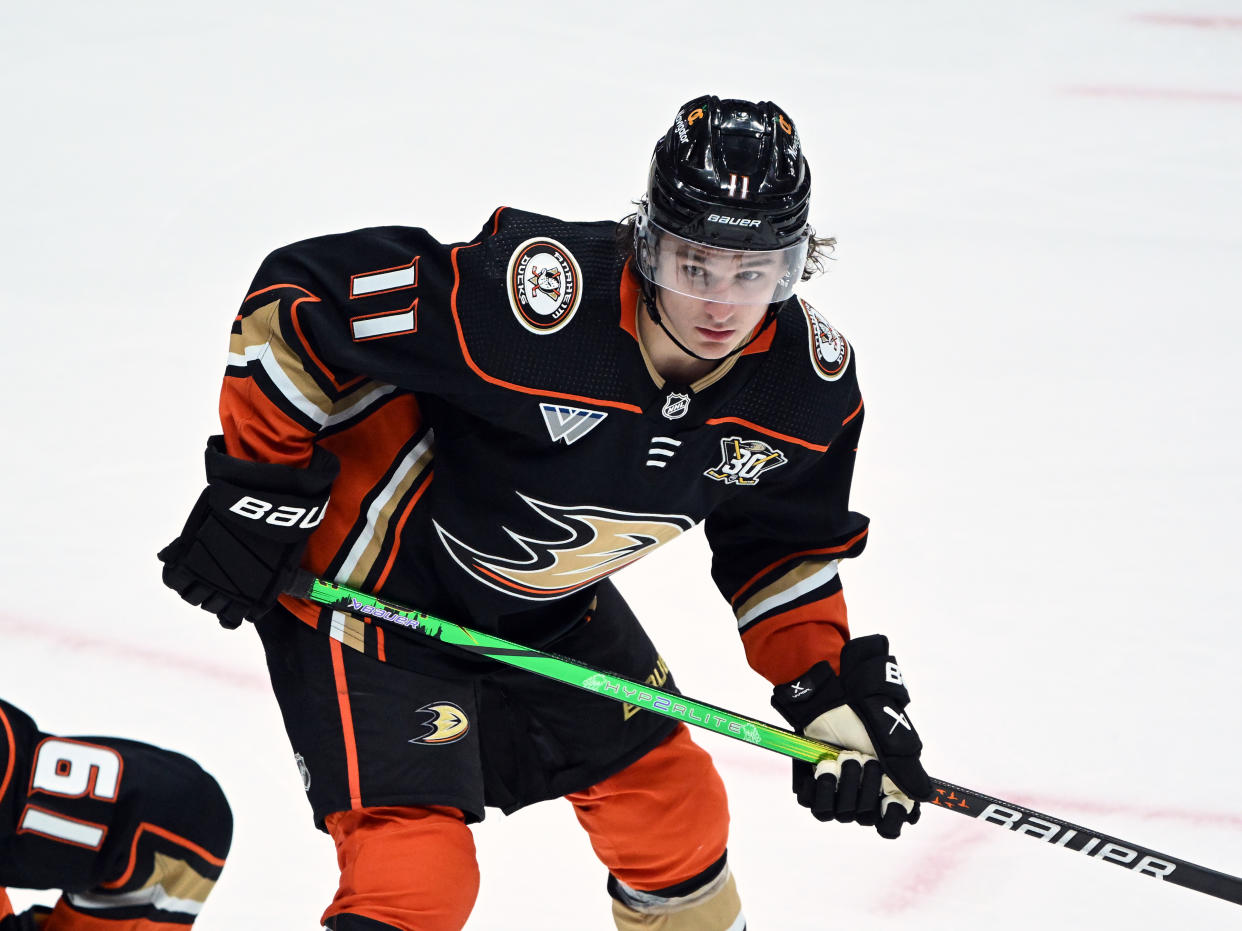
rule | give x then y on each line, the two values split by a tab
245	536
30	920
878	780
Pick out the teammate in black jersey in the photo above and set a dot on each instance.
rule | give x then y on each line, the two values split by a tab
500	425
134	835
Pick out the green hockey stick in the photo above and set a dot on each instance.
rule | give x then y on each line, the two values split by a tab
410	624
643	695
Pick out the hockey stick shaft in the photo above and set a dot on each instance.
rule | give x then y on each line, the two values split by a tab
410	624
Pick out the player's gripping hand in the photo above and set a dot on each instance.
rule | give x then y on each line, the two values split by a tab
879	780
245	536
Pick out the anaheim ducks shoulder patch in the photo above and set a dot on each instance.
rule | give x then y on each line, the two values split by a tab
544	283
830	353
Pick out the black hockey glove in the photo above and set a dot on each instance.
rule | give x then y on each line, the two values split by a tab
30	920
879	781
245	537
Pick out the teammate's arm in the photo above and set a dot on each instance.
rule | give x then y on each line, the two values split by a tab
125	828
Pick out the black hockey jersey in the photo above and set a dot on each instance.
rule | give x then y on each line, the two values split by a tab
505	441
127	830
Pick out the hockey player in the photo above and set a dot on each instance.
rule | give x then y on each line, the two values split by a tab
135	835
501	424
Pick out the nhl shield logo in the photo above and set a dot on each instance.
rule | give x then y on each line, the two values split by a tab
675	405
742	461
544	284
303	771
830	353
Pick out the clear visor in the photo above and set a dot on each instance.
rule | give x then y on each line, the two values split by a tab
724	276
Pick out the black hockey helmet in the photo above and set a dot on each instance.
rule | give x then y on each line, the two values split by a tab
735	159
728	176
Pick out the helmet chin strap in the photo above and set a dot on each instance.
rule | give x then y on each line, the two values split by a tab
648	291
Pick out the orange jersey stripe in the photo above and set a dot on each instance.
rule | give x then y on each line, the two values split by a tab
465	352
780	436
310	353
12	755
276	287
367	452
396	536
792	556
168	835
347	725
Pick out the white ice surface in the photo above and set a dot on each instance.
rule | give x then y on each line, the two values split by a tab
1039	209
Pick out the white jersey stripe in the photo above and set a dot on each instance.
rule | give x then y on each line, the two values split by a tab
151	895
336	626
289	390
377	508
810	583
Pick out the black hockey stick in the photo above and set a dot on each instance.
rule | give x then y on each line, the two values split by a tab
362	610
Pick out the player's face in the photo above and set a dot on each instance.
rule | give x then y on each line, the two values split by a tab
713	298
726	276
708	328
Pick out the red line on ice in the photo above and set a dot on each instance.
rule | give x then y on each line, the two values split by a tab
1154	93
160	659
934	869
1199	21
1053	805
960	844
731	755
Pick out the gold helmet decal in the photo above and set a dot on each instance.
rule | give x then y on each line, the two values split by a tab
583	544
443	722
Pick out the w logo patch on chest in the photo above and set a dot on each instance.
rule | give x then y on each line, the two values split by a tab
570	423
